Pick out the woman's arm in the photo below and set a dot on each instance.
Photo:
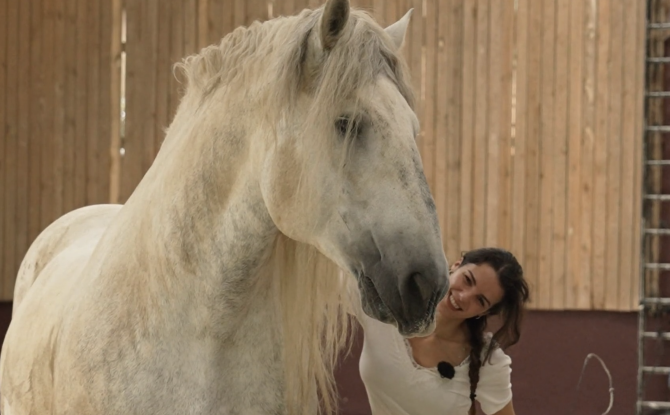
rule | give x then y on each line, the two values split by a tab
507	410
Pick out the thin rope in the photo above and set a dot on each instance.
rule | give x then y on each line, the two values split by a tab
611	388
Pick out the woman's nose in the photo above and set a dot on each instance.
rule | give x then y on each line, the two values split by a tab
465	295
461	296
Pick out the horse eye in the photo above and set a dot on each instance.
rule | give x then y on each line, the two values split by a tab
349	125
342	125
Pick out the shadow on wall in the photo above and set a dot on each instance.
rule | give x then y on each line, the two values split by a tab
5	318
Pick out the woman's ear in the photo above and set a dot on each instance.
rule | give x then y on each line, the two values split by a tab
455	265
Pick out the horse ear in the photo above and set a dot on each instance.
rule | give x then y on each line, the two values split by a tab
398	29
335	16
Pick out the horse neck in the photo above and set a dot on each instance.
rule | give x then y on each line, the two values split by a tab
199	214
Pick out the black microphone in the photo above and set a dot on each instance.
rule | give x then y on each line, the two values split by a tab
446	370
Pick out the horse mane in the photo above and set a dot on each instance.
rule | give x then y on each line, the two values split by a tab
267	62
315	323
276	49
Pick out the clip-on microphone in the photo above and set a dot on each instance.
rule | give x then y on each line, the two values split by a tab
446	370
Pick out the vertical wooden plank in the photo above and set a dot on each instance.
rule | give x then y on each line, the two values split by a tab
57	172
308	4
136	97
444	85
629	242
315	4
93	138
415	59
11	150
190	36
367	5
169	31
452	56
532	155
215	10
641	14
23	136
467	127
520	119
613	147
81	114
4	105
70	103
428	87
240	13
202	22
391	12
190	47
378	9
227	24
285	7
48	59
504	212
257	10
149	133
604	40
559	184
454	127
585	283
406	5
109	60
379	12
574	263
37	135
110	106
479	160
299	6
141	93
546	151
492	138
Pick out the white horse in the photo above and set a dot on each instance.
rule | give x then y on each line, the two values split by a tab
214	289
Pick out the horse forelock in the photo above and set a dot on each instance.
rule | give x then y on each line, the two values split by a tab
273	53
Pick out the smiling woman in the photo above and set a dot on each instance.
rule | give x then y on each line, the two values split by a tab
459	363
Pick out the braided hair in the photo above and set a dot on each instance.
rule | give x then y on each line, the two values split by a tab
510	309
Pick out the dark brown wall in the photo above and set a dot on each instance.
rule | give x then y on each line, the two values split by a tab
547	363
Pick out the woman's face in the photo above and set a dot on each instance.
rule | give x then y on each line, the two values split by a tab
473	290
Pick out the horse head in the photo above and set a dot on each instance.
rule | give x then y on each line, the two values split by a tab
344	174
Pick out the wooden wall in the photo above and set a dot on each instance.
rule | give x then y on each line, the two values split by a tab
531	122
59	106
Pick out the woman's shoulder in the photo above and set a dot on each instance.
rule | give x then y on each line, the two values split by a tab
494	389
497	357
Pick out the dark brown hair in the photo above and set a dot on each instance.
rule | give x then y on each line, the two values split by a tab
510	309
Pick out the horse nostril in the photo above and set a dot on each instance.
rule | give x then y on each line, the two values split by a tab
420	286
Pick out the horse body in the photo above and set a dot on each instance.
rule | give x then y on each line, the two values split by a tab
158	328
182	324
213	289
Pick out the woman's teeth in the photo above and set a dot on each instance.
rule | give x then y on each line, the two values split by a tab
453	302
